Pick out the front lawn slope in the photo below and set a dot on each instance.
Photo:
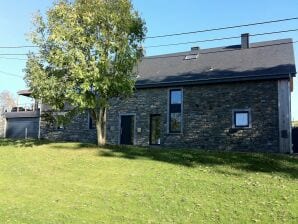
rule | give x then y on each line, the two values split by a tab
43	182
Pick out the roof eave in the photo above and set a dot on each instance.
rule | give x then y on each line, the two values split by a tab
214	80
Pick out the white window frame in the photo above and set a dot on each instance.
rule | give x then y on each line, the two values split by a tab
248	111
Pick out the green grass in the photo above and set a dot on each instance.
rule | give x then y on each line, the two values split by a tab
43	182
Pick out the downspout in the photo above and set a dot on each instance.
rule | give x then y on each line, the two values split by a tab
40	109
290	115
18	103
4	133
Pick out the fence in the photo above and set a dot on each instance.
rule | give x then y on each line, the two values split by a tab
21	108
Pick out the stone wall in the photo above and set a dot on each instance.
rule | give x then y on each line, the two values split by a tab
207	116
2	125
77	130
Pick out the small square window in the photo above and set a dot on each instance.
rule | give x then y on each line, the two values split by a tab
241	119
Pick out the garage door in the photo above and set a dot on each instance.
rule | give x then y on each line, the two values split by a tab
19	127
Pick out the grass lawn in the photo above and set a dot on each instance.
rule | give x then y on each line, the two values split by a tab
75	183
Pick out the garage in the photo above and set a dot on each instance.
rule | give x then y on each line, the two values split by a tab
22	127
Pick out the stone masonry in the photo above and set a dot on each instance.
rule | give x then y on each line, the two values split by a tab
2	125
207	116
76	130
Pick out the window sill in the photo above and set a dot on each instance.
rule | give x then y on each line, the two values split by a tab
175	133
235	129
241	127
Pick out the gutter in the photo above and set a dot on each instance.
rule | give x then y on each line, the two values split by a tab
39	122
213	80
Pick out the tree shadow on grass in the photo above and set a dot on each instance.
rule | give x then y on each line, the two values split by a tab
251	162
22	142
29	143
73	146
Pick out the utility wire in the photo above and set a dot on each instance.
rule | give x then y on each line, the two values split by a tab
153	57
222	38
222	28
169	56
183	43
183	55
21	46
14	54
10	74
9	58
185	33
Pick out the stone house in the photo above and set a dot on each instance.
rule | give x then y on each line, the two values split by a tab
227	98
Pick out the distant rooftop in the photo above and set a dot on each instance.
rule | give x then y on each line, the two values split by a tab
25	92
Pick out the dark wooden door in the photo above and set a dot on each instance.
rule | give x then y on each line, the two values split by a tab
295	139
127	130
155	129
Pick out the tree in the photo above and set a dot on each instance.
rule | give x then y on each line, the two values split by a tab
87	53
7	99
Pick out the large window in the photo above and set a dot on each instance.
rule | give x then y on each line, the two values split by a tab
175	110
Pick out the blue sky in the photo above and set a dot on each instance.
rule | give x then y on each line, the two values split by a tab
162	17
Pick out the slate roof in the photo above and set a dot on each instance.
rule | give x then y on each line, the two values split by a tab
262	60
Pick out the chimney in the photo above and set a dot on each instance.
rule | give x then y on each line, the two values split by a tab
194	53
245	40
195	49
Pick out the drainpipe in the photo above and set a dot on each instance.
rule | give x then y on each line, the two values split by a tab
18	103
5	120
290	116
39	118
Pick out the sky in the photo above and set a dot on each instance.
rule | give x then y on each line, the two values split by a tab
162	17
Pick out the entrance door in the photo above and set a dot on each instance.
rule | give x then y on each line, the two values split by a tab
127	130
295	139
155	129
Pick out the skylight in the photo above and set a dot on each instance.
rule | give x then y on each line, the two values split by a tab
191	56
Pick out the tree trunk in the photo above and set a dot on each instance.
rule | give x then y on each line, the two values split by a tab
100	118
